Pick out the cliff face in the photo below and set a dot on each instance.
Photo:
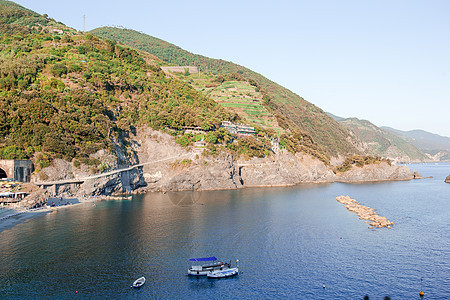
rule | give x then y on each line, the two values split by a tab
190	171
169	167
205	174
284	169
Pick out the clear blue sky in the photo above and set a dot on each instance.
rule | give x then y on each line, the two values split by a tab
385	61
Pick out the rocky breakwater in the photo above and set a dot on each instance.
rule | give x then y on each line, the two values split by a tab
447	179
364	212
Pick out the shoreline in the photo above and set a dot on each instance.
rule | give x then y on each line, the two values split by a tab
17	215
20	214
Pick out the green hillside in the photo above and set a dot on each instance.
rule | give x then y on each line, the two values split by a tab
291	111
381	142
68	94
422	139
432	144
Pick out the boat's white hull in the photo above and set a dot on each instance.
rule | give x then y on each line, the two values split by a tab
228	272
139	282
198	273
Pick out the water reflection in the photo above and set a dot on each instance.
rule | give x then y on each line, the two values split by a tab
183	198
199	283
288	241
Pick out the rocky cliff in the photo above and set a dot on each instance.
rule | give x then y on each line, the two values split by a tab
283	169
166	166
375	172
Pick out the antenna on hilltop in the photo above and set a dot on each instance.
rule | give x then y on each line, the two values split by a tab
84	23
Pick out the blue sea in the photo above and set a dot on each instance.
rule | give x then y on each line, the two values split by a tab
290	242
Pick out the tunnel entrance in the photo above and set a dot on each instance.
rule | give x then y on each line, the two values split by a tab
3	174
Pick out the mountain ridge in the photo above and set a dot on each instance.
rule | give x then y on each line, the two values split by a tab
291	110
404	148
380	142
429	140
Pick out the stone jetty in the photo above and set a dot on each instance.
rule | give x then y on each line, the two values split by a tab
364	212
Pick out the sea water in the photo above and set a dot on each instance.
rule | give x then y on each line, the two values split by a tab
292	243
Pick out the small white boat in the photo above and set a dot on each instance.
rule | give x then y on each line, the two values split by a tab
138	282
224	272
203	270
227	272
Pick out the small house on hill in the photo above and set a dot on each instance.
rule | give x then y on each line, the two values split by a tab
238	129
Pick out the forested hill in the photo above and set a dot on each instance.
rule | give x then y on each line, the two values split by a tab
383	143
67	94
292	111
422	139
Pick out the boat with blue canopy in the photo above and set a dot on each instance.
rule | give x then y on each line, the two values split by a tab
203	269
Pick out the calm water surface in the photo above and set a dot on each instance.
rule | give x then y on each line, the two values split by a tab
290	242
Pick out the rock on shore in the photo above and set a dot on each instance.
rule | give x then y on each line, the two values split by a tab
35	199
364	212
447	179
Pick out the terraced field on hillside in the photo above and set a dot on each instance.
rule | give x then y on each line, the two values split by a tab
237	96
242	98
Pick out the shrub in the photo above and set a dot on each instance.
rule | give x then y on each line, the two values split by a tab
359	161
103	167
185	163
82	49
12	152
76	163
251	147
67	39
42	161
56	84
185	140
58	69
